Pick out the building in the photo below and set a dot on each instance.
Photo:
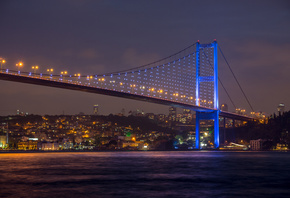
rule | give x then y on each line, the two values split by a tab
66	144
281	147
281	108
161	117
151	116
49	146
130	144
96	109
187	116
257	145
3	141
138	112
172	113
27	145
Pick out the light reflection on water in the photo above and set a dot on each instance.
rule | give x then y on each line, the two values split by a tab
145	174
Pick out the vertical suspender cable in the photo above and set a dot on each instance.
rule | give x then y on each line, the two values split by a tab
220	81
236	80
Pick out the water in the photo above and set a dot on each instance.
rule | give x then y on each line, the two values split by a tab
145	174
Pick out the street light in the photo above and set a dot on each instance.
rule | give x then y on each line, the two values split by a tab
2	62
133	87
34	68
63	72
18	65
89	79
160	91
49	70
151	90
78	75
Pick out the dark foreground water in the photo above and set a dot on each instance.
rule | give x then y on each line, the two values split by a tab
145	174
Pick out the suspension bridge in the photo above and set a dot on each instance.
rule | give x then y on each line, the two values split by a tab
187	79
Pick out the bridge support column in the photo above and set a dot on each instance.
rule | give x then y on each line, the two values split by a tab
216	130
214	115
197	137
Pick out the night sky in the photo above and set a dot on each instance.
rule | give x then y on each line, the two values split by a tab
92	37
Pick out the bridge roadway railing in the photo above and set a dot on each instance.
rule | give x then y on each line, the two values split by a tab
84	84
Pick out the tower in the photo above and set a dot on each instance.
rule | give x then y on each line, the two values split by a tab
96	109
281	108
201	78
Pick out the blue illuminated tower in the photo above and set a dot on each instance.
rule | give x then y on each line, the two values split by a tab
207	115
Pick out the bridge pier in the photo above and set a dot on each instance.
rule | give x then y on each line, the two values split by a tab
214	115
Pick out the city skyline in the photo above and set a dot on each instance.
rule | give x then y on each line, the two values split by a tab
64	42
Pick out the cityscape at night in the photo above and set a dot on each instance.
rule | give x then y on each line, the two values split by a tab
137	131
144	98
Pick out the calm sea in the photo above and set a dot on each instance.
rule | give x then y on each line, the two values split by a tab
145	174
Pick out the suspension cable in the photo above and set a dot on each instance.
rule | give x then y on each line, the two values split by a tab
135	68
236	80
220	80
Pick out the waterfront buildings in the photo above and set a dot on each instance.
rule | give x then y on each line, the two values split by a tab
3	141
257	145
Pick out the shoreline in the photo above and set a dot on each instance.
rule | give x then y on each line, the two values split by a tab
104	151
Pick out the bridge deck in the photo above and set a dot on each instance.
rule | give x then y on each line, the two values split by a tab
96	90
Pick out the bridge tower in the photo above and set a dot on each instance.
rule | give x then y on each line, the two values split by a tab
207	115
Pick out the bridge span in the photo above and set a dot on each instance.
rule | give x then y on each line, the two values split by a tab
188	79
46	81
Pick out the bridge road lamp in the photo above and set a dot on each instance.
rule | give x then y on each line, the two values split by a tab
79	76
151	90
103	80
175	95
121	85
19	65
89	79
2	61
63	73
160	91
132	88
50	72
34	69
